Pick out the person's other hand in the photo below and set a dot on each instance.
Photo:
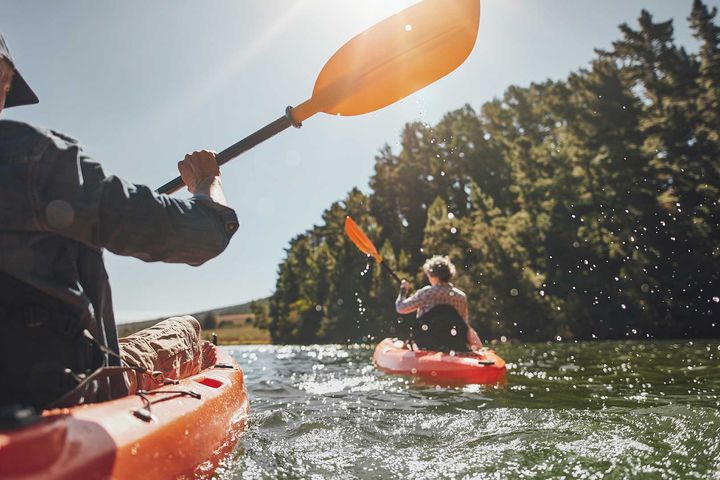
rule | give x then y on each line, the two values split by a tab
199	170
405	287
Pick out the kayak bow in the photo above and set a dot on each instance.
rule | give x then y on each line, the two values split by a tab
392	356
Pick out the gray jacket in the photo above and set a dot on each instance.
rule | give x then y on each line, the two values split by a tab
59	211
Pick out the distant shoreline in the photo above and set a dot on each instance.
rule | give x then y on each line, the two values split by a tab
235	324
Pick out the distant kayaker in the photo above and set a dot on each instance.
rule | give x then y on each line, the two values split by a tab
436	329
58	212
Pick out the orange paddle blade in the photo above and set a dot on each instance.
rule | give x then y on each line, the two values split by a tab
361	241
394	58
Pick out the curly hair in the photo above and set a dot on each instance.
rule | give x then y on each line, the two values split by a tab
439	266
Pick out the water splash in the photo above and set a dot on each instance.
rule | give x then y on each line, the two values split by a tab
366	269
323	411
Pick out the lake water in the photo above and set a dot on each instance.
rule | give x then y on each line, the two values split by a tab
585	410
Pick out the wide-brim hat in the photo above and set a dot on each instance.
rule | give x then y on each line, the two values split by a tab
20	92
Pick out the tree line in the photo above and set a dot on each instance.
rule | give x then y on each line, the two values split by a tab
582	208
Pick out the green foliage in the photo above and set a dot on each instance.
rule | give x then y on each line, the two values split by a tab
261	312
210	321
583	208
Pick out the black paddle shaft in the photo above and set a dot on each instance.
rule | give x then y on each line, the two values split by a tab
391	272
243	145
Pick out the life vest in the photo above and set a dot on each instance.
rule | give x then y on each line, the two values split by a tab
441	329
43	352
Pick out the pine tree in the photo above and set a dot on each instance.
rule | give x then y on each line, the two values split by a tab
583	208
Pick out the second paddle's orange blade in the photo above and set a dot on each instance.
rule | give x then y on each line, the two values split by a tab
395	58
361	241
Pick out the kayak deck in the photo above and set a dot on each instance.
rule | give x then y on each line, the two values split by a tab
187	436
392	357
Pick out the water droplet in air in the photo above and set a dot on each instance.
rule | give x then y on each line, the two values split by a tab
413	370
453	332
424	327
514	292
367	269
408	28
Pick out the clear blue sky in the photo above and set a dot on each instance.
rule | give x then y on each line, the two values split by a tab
141	83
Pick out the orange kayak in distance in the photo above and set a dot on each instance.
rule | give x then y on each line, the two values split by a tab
392	356
193	426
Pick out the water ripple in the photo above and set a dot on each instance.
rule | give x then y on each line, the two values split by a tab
568	410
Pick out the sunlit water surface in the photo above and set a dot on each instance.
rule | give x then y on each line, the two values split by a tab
568	410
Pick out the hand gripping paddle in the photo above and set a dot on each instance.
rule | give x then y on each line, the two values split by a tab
384	64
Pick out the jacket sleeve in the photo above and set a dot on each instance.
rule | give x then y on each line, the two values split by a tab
410	304
76	199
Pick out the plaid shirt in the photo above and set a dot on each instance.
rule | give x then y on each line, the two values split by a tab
430	296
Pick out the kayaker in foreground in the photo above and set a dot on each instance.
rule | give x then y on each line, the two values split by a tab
442	310
58	212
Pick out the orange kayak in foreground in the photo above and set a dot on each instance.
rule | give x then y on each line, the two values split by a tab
188	436
391	356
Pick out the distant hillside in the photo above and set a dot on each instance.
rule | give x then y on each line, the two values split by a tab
236	314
